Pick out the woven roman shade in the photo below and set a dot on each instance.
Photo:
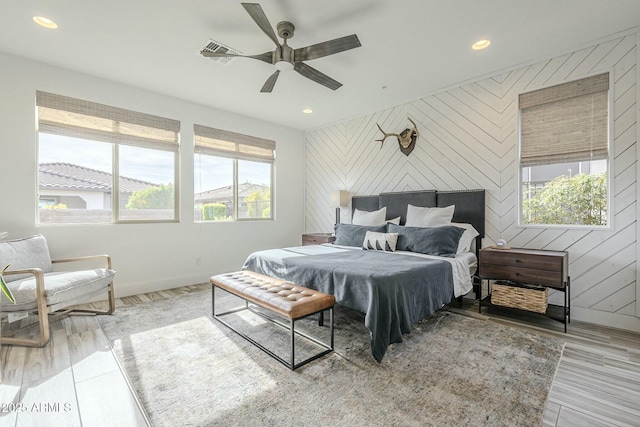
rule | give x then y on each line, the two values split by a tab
222	143
62	115
565	123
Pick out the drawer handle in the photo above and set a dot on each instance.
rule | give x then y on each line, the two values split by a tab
518	260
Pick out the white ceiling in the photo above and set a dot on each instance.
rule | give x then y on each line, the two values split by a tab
410	48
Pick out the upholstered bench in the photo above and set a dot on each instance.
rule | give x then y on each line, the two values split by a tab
277	296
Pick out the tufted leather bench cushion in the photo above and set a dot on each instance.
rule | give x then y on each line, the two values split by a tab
282	297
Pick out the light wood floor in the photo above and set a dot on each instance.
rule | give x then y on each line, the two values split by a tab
76	381
598	379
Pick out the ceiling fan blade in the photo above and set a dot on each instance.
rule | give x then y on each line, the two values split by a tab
270	83
326	48
256	12
265	57
316	76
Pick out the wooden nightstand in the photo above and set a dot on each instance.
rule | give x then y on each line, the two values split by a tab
317	238
549	269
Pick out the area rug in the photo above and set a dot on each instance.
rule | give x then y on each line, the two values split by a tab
190	370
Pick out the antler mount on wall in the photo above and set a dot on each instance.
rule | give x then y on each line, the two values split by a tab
406	139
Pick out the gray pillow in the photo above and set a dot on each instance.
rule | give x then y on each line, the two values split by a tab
440	241
28	252
353	235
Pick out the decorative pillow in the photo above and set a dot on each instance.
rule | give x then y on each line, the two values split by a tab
380	241
353	235
369	218
395	221
429	217
29	252
440	241
469	235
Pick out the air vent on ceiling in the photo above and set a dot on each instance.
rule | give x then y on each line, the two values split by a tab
214	46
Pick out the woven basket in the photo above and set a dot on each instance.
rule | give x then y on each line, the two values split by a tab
524	297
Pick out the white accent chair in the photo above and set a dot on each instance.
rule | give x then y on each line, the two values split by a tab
39	289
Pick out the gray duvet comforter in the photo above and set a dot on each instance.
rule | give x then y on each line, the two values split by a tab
394	291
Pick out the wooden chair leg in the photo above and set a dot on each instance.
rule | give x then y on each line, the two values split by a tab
44	335
112	304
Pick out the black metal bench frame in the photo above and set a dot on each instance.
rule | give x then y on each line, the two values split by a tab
328	348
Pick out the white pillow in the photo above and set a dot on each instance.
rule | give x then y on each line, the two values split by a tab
429	217
380	241
369	218
395	221
469	235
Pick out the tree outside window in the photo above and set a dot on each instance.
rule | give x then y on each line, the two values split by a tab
580	199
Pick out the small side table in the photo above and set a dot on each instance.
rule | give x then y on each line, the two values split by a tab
529	266
317	238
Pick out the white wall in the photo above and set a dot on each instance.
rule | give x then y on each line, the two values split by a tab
469	139
92	199
146	256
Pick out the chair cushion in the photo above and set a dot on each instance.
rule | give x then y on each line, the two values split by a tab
59	287
29	252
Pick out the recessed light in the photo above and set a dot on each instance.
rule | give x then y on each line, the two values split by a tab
307	111
45	22
481	44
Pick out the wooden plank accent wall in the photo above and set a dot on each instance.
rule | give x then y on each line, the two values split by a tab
469	139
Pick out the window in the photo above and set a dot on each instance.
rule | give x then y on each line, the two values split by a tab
233	176
98	163
564	156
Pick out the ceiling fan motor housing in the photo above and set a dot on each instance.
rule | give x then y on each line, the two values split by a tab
283	55
283	58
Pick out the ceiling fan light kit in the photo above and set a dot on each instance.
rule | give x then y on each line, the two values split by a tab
285	58
284	66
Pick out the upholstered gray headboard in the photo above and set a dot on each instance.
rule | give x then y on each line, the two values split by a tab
470	204
396	203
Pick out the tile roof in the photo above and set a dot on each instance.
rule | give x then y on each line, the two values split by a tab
69	176
244	189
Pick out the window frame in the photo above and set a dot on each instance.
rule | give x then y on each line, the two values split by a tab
609	160
271	193
201	131
69	104
115	194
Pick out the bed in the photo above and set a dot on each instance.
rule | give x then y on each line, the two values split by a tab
394	289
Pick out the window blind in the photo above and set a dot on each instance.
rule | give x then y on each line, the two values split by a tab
565	123
62	115
217	142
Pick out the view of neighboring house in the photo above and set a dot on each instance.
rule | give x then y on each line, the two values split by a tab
79	187
224	195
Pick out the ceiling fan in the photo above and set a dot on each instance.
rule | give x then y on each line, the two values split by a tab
286	58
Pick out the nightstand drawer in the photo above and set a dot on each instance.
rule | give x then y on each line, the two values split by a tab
540	267
317	238
515	258
523	274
